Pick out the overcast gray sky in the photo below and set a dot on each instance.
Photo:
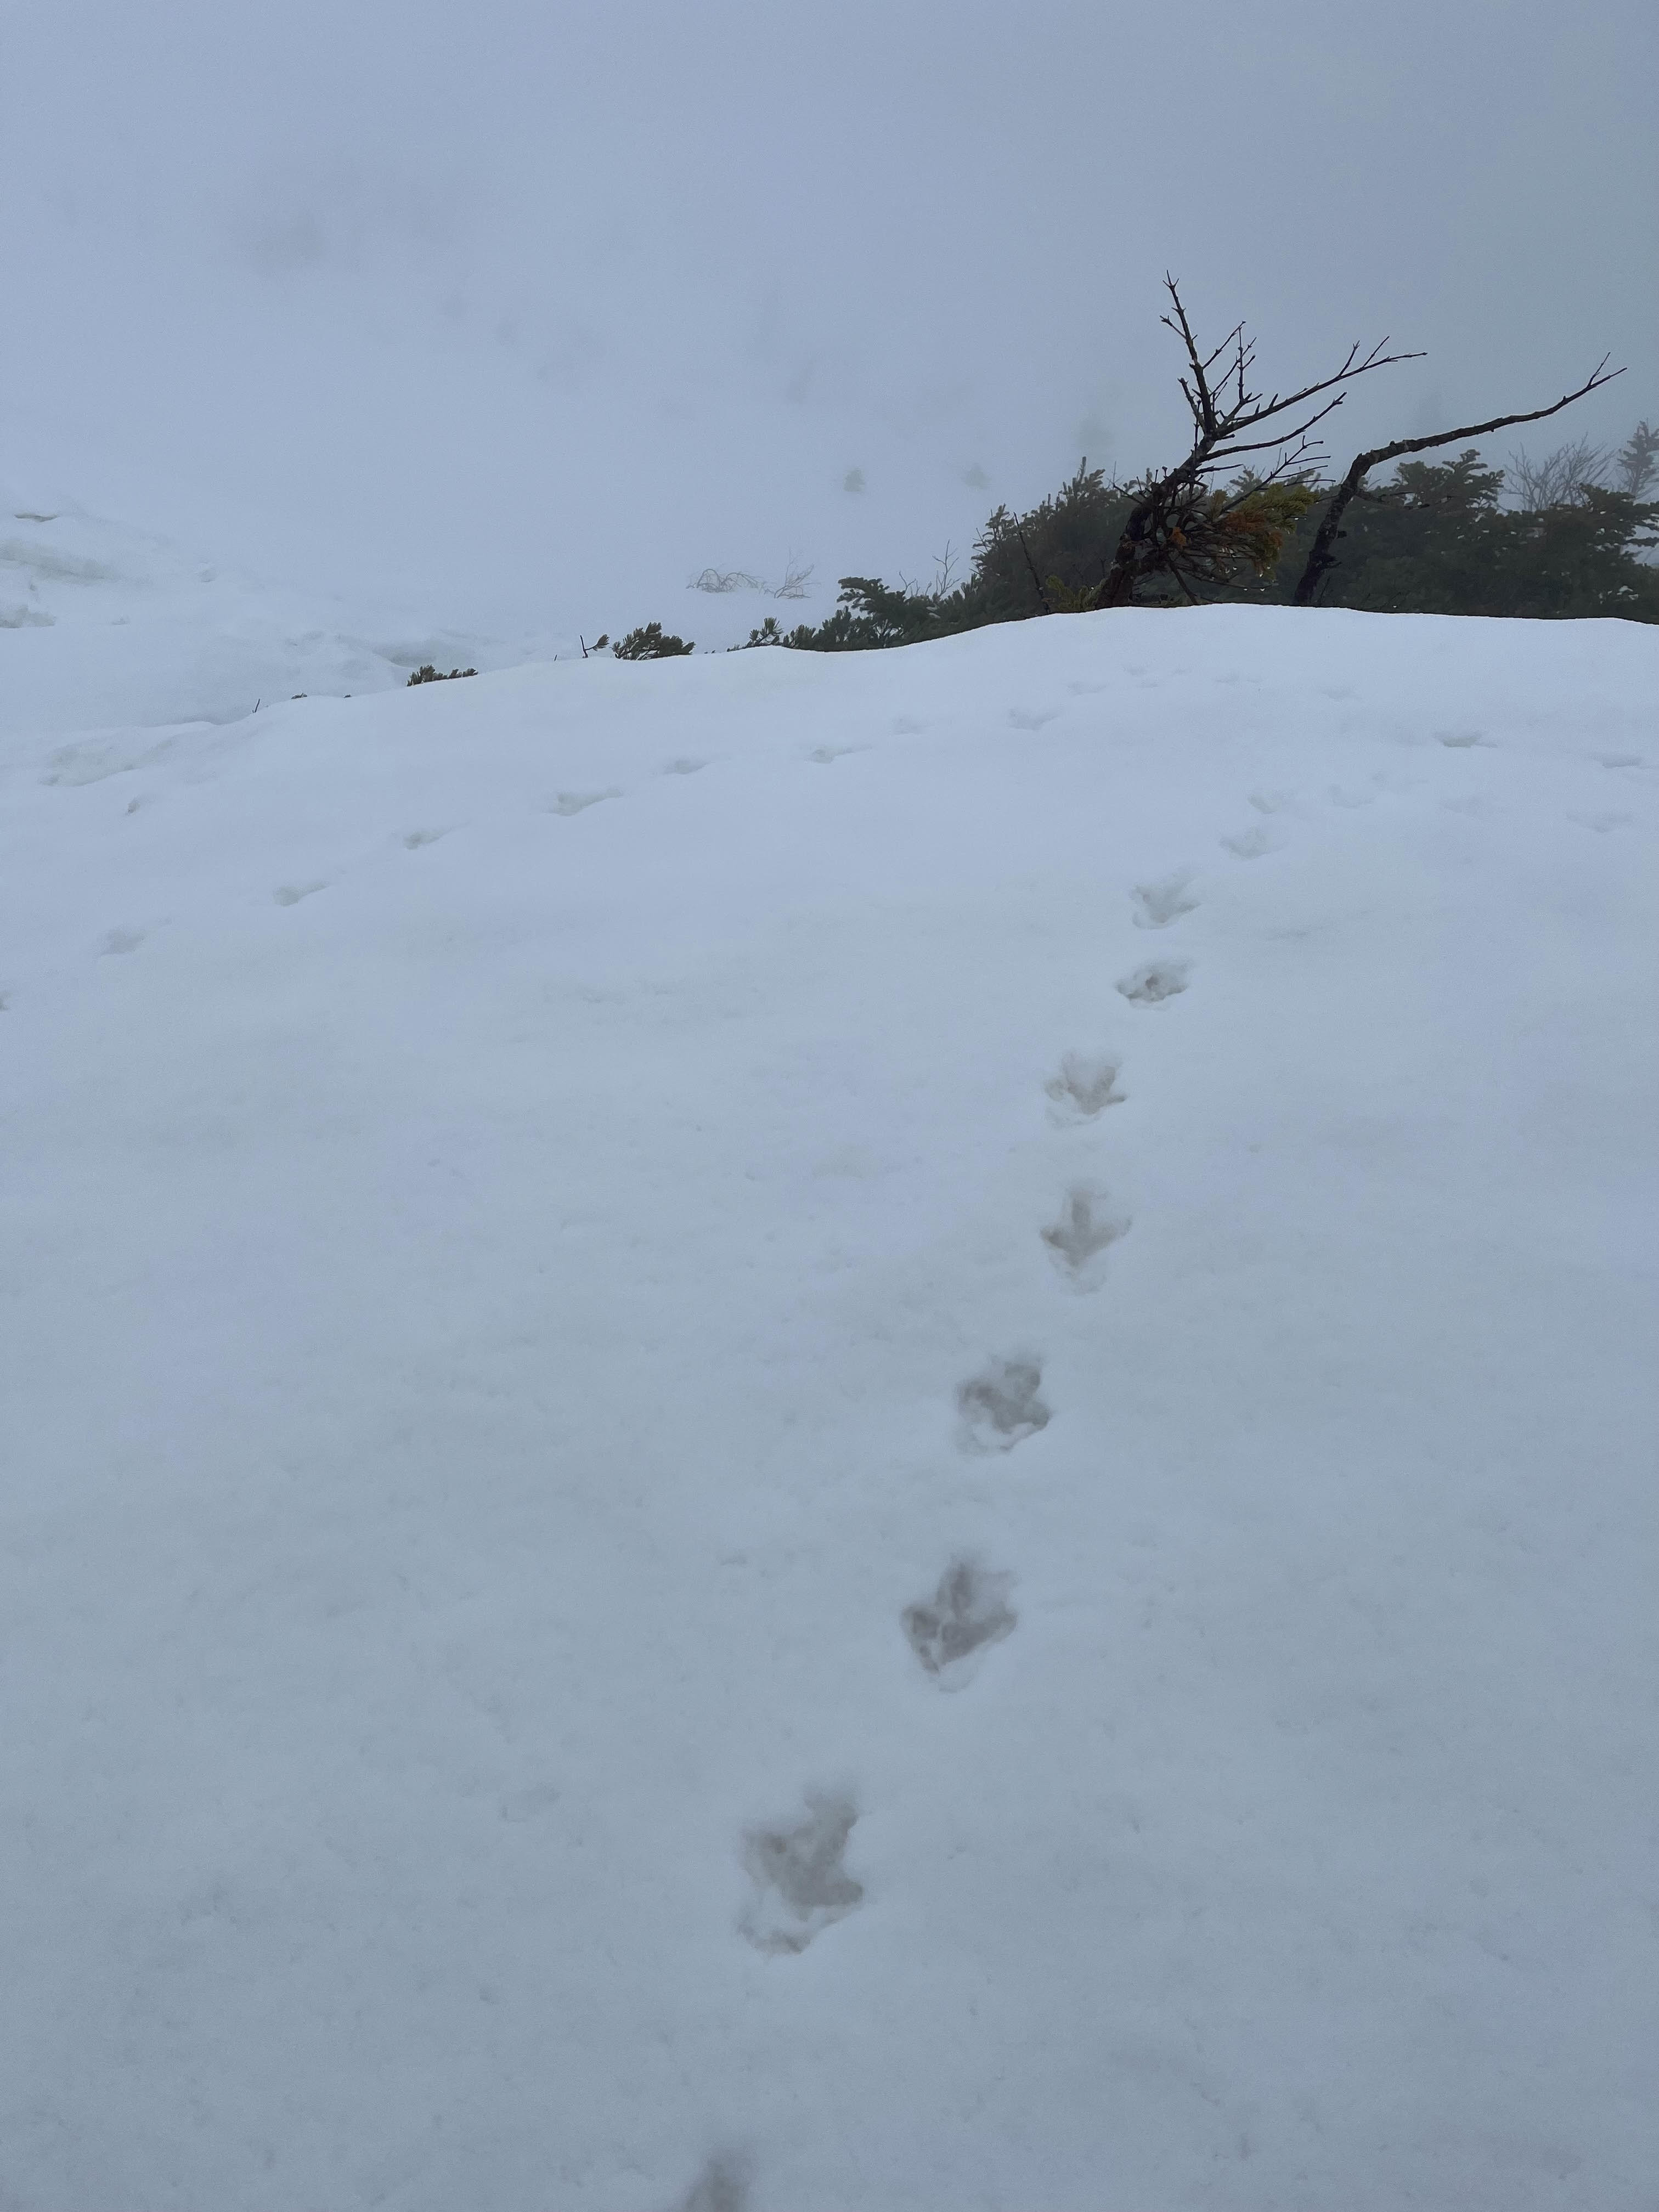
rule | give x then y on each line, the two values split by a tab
536	309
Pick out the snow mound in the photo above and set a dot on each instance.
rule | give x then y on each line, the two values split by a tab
583	1243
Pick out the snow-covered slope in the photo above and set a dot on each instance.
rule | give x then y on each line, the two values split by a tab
840	1432
110	625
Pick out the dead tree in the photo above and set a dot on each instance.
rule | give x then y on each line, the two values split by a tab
1182	527
1561	478
1322	558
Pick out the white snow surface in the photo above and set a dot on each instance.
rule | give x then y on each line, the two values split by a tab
811	1432
101	623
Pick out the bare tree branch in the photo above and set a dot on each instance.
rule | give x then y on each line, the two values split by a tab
1175	515
1042	595
1320	558
1561	477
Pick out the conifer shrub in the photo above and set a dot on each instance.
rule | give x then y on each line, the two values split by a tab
426	673
1437	537
648	643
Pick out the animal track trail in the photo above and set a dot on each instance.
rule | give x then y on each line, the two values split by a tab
1000	1406
1088	1226
1155	905
1083	1088
967	1613
1159	980
801	1886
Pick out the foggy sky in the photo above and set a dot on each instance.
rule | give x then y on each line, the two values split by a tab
532	310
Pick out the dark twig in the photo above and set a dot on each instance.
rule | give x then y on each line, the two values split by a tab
1042	595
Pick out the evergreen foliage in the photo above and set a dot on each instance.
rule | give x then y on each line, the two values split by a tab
1435	538
426	673
648	643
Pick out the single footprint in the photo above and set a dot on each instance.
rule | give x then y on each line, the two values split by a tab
122	940
1600	823
1158	981
1461	740
823	755
968	1611
1032	721
1157	905
1250	844
573	802
800	1884
999	1407
414	839
684	767
291	894
1602	760
1083	1088
1088	1224
722	2187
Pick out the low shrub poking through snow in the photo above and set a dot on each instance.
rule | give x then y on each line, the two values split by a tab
648	643
426	673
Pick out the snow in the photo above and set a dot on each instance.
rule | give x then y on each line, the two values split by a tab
111	625
816	1431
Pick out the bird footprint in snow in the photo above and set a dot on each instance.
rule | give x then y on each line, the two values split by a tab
1000	1407
800	1884
1088	1224
1157	905
968	1611
573	802
1158	981
1082	1088
1250	844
